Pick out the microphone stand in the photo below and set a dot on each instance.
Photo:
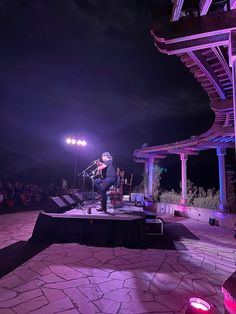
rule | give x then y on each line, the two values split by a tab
85	174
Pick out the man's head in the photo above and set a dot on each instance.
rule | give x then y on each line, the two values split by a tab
106	156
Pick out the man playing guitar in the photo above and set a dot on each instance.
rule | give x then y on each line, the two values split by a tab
109	178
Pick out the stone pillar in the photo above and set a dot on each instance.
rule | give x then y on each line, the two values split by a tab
232	63
150	174
232	4
184	159
146	173
234	98
222	182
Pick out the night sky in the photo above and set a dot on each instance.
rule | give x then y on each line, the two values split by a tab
89	69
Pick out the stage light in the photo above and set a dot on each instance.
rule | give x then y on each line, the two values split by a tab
74	141
177	213
212	221
197	306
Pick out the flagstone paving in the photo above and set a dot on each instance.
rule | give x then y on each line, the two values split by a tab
72	278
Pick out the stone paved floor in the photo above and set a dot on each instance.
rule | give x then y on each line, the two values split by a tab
71	278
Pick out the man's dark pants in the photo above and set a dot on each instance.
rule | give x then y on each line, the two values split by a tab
102	186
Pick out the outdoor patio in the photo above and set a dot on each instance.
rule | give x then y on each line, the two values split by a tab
72	278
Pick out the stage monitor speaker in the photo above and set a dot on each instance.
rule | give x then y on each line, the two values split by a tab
69	200
56	205
77	197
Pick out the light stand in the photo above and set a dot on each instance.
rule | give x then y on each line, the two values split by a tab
86	173
79	142
90	174
75	171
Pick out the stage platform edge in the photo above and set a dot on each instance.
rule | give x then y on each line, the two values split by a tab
89	229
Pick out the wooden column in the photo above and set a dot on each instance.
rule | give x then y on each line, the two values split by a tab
222	182
204	6
176	11
232	63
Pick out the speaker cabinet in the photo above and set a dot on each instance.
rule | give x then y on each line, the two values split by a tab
69	200
56	204
77	197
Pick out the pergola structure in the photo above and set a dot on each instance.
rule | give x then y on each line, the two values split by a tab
203	35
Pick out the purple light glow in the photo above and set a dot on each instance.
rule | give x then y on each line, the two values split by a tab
79	142
73	141
83	143
68	140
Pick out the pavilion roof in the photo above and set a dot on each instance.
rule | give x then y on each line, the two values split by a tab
198	32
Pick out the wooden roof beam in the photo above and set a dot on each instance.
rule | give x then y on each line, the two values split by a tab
176	11
195	27
204	6
184	57
206	69
211	145
225	79
189	64
226	83
140	160
192	44
226	131
227	120
154	155
145	153
206	84
182	151
194	34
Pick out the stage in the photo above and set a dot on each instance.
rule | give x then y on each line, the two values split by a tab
85	225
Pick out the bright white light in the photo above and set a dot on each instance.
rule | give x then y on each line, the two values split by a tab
200	304
74	141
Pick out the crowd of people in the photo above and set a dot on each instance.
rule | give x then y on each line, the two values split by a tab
20	195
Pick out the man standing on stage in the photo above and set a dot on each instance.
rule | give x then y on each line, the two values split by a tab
109	178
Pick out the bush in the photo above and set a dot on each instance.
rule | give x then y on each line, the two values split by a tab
196	196
209	201
170	197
